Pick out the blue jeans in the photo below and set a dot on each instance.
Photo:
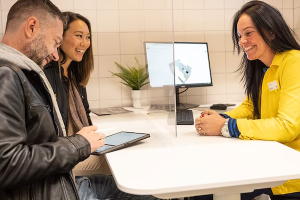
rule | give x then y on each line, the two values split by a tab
102	187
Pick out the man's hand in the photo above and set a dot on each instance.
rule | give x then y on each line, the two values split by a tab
96	139
209	123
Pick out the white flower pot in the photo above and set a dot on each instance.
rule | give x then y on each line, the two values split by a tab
136	96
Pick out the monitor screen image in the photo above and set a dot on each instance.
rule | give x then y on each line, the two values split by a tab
192	67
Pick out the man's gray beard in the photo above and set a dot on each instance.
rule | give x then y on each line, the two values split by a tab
36	50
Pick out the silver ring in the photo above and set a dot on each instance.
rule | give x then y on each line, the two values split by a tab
100	135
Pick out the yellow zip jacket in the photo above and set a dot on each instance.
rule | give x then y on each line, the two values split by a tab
280	110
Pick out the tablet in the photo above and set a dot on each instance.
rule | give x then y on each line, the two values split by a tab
120	140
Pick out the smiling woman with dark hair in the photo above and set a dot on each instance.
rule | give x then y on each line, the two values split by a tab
270	68
69	77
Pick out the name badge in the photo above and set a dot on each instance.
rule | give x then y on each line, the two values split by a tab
273	85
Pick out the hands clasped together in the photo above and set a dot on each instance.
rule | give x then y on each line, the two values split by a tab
209	123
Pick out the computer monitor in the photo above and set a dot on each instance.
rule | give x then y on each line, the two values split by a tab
192	67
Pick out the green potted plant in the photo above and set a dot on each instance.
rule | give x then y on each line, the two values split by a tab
135	78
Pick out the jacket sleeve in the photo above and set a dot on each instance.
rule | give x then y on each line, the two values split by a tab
86	105
23	161
245	110
285	126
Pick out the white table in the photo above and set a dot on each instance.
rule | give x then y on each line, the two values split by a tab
190	165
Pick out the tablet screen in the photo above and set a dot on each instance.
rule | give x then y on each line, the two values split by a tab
120	139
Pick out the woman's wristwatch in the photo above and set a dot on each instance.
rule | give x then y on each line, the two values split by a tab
224	129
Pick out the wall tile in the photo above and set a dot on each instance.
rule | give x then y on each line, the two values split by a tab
110	103
130	4
94	104
108	21
156	92
296	3
230	4
153	4
198	100
108	43
3	19
233	61
87	4
126	92
153	20
95	43
275	3
131	43
215	40
193	20
233	84
296	18
66	4
236	97
287	4
167	36
216	4
107	63
153	36
194	36
179	36
219	84
228	41
297	31
288	17
107	85
217	62
130	61
127	102
92	89
167	22
7	4
216	98
104	4
195	91
229	19
95	72
213	23
91	15
193	4
177	4
130	20
158	100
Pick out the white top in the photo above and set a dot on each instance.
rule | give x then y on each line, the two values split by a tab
167	167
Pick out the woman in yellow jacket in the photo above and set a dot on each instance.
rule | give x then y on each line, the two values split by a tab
271	73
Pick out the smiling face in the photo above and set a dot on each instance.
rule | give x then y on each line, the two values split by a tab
251	41
76	40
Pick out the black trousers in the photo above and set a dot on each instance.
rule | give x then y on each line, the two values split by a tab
255	193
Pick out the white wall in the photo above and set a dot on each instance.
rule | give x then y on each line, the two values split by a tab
120	26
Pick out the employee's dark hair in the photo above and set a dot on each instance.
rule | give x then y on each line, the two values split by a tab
275	32
79	72
44	10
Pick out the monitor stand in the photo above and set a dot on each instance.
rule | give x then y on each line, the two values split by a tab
183	105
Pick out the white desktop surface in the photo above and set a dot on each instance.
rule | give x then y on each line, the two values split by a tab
190	165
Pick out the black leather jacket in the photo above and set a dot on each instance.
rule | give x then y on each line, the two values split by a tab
34	162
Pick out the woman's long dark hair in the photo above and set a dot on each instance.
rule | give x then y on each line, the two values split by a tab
78	72
269	22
